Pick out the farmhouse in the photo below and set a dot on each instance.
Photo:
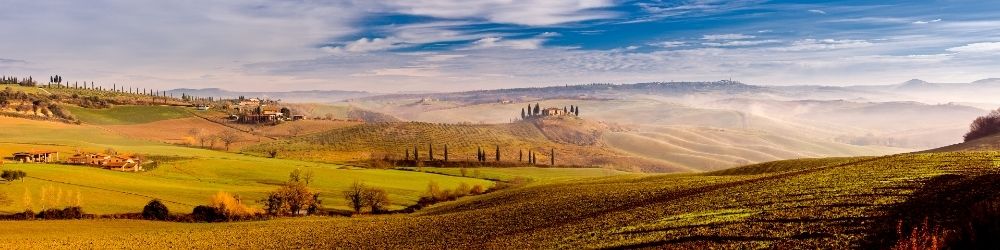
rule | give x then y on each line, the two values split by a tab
119	163
89	159
123	164
554	112
36	156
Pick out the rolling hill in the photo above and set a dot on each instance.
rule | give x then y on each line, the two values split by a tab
573	143
817	203
182	176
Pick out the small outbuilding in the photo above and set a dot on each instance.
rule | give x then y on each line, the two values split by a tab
36	156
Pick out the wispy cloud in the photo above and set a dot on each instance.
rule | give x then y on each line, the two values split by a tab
821	12
740	43
985	47
668	44
926	22
716	37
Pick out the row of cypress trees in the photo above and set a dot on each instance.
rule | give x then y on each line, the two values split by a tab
481	155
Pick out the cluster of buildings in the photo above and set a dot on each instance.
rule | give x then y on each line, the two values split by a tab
111	162
257	111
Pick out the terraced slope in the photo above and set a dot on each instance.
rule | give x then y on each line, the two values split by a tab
833	203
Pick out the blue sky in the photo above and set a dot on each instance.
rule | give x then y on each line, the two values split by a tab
444	45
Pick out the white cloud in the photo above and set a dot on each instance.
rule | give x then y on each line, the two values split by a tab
986	47
821	12
499	42
740	43
926	22
668	44
523	12
824	44
366	45
716	37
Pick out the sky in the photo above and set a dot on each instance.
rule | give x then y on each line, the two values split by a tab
450	45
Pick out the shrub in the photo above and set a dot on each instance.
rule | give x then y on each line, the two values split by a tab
65	213
984	126
293	197
477	190
155	210
207	214
231	207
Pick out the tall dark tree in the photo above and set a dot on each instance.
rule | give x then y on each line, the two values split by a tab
529	109
537	109
565	110
416	153
552	158
498	153
446	152
430	151
577	111
407	154
522	114
520	155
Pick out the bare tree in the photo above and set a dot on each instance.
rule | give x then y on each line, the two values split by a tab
355	196
376	199
228	138
295	130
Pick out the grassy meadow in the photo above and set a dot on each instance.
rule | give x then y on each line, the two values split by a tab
125	114
187	177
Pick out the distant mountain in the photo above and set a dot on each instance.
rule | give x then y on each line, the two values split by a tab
290	96
981	91
588	91
916	83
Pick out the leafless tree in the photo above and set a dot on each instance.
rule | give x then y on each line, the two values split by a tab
295	130
228	138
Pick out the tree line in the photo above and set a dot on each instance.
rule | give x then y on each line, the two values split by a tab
481	156
536	111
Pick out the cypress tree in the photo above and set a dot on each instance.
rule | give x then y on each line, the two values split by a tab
498	153
537	109
430	151
416	154
522	113
553	157
407	154
446	152
520	155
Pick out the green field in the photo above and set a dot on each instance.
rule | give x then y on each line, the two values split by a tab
122	114
835	203
189	178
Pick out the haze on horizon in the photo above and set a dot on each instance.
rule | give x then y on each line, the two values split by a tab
446	45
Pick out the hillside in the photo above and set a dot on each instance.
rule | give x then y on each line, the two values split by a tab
358	143
704	138
181	176
832	203
287	96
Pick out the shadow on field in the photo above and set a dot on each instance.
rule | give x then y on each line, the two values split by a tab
943	202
